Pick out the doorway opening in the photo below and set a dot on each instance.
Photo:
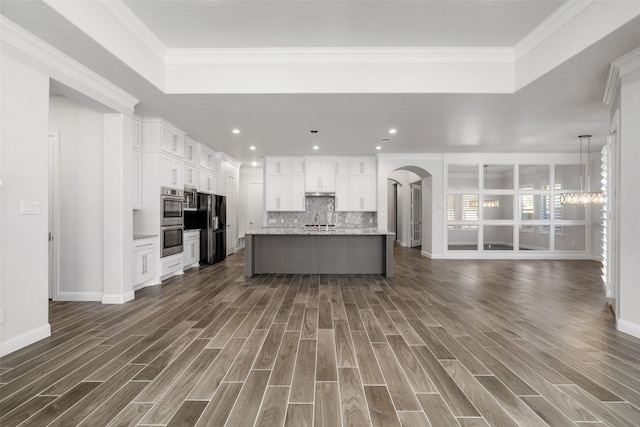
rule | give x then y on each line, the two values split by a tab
409	207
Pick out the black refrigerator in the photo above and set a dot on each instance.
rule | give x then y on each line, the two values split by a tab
211	218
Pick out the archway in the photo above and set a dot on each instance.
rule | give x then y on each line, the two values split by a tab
409	207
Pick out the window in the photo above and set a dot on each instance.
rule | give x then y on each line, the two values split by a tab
462	207
546	209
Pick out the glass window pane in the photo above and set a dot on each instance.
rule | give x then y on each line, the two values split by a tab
570	238
463	177
497	206
498	237
568	177
534	207
462	207
534	177
498	177
534	238
575	212
463	238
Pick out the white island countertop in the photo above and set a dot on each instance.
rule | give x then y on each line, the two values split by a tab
323	231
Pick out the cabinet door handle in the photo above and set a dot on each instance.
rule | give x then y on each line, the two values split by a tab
190	152
144	264
192	245
175	176
175	142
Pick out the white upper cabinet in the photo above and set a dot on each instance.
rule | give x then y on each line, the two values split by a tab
172	142
159	135
207	159
191	175
207	182
362	167
342	194
356	184
285	166
342	167
320	174
191	151
284	193
171	172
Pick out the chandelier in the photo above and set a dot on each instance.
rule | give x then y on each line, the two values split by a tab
583	197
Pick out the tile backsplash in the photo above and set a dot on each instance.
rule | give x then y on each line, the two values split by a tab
325	208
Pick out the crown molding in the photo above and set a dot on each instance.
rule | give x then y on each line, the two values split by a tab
492	55
134	24
620	67
612	85
566	12
59	65
628	62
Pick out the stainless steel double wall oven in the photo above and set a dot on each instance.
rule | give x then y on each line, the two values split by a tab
171	221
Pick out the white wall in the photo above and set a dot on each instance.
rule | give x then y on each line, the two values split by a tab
391	196
629	298
248	175
81	219
427	215
23	170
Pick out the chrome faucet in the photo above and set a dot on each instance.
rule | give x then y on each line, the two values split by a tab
318	221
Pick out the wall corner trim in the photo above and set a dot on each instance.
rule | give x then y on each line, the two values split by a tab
25	339
118	298
628	328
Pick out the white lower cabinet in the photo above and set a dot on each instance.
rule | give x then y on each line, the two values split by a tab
145	262
171	265
191	249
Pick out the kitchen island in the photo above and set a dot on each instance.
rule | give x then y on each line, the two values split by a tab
318	251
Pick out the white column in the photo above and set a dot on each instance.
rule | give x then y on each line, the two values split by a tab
629	203
118	217
24	118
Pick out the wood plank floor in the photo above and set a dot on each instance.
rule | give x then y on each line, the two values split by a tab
444	343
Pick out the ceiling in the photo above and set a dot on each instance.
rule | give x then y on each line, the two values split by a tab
544	116
260	24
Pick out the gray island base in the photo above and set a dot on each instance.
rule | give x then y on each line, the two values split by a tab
292	251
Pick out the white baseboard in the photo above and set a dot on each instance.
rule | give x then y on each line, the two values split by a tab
23	340
628	328
118	298
79	296
426	254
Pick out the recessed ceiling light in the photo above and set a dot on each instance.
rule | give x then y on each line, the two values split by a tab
254	163
392	131
379	147
252	147
315	147
236	131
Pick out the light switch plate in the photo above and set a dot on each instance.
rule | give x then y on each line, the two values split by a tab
30	208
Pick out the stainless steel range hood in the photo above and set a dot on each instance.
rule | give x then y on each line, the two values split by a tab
319	194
